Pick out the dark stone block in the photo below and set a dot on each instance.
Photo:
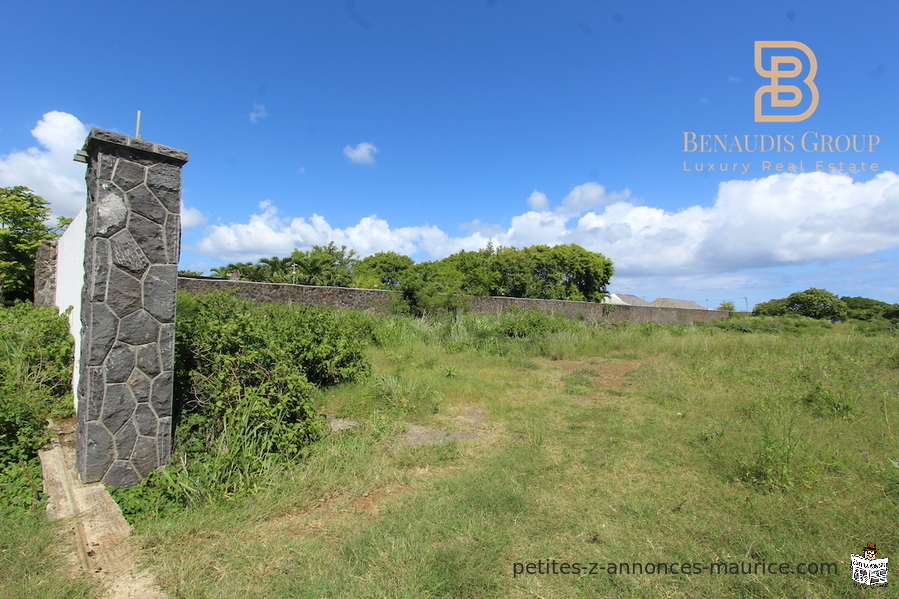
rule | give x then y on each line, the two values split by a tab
144	456
101	333
173	154
173	238
80	442
164	180
100	135
94	384
121	474
140	384
141	144
138	328
111	211
148	236
163	392
105	167
159	291
45	273
127	254
148	359
119	363
97	269
143	202
164	441
124	441
167	346
145	420
125	292
98	452
118	406
129	175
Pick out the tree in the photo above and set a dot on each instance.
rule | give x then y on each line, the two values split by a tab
863	308
23	226
727	306
324	265
384	270
566	272
775	307
817	303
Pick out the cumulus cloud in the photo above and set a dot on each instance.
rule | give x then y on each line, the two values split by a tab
49	171
783	219
363	153
589	195
538	201
258	113
191	217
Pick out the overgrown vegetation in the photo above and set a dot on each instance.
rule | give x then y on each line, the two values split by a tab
566	272
23	225
596	441
246	374
35	383
600	441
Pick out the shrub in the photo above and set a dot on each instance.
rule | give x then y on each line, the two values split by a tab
35	384
517	322
245	378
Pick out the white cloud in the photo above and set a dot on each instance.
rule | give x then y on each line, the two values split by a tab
363	153
538	201
258	113
191	217
780	220
589	195
49	171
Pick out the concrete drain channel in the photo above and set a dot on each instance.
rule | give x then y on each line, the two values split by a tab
94	523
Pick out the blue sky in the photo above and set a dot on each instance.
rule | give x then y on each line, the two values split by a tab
430	127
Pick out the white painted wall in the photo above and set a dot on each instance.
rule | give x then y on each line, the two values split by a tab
70	282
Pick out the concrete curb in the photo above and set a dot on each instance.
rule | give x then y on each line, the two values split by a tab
94	521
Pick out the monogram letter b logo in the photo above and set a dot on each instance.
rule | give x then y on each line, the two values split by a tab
773	102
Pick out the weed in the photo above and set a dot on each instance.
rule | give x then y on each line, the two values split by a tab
402	396
826	401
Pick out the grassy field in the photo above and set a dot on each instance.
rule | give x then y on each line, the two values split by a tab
588	445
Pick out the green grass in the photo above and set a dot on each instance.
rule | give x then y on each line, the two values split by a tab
774	444
35	384
33	563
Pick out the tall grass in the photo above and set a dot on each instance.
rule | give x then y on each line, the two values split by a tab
722	445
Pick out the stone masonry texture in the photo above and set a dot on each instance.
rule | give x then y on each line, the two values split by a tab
128	307
45	274
379	300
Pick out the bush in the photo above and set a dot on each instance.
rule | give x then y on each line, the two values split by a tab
35	384
516	322
245	378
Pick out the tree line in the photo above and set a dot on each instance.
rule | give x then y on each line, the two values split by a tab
822	304
567	272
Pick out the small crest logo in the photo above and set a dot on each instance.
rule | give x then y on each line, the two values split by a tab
867	569
781	98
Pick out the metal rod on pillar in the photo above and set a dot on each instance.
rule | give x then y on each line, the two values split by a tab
137	128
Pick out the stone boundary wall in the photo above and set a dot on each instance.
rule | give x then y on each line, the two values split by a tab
373	300
45	274
131	252
378	300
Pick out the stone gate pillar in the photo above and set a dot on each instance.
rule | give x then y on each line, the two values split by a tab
133	238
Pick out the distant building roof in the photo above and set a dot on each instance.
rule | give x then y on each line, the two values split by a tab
629	300
665	302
